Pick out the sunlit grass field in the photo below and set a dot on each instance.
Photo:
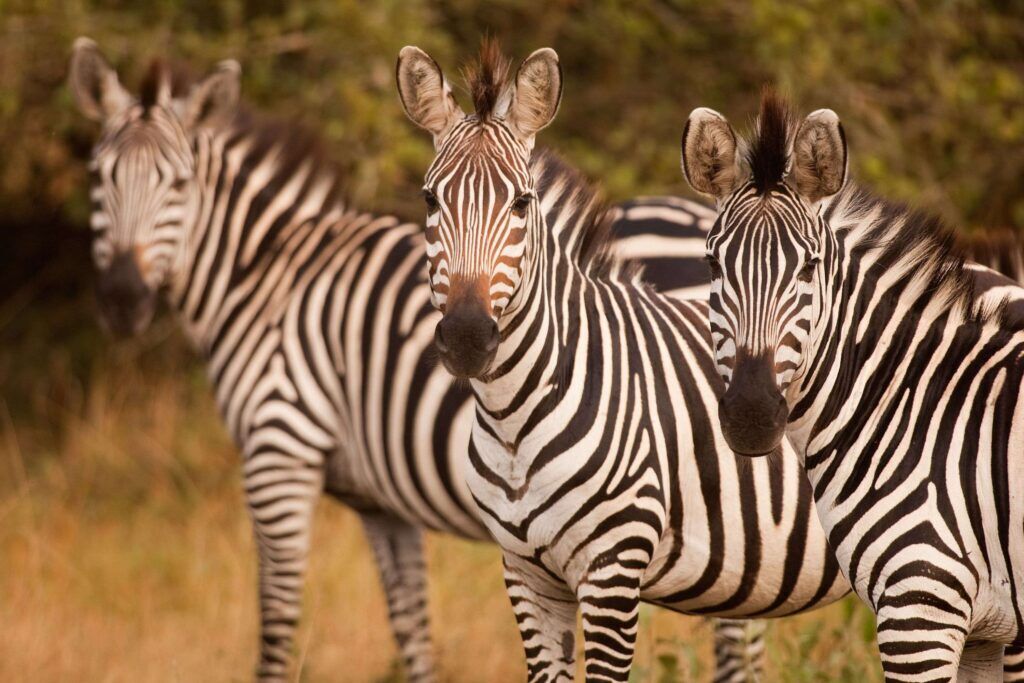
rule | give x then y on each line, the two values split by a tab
126	555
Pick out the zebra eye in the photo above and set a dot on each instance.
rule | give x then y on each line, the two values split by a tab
806	273
714	265
431	200
520	204
179	184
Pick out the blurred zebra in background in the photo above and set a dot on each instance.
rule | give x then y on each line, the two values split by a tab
853	325
596	456
316	328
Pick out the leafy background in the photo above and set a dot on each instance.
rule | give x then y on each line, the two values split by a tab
119	505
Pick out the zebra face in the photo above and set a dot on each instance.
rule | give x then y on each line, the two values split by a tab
768	257
764	257
483	218
480	200
142	194
143	190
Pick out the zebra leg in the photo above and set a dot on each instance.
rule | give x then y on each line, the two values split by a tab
1013	664
282	491
546	615
739	650
981	662
610	604
398	549
915	648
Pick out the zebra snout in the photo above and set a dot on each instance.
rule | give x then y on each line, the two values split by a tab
467	342
126	302
753	412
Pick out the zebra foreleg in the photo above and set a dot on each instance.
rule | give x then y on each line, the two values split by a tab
610	603
398	549
282	492
915	648
1013	664
546	616
739	650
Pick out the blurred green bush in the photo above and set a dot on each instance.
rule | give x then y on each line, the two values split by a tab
931	92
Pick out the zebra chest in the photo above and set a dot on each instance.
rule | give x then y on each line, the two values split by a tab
547	504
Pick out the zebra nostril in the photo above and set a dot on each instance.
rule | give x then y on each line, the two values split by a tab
439	338
492	342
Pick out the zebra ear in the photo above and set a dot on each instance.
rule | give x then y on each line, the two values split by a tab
711	159
537	94
98	93
425	94
213	101
819	156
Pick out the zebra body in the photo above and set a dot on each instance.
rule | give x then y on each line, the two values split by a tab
315	324
595	456
901	372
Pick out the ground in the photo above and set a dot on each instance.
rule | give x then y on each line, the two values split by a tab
126	555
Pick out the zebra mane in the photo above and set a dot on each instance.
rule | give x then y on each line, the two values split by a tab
1001	250
487	78
768	152
579	216
916	244
160	72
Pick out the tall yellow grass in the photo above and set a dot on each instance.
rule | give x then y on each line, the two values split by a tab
126	555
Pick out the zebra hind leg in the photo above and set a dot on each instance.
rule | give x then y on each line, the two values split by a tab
739	650
398	549
282	492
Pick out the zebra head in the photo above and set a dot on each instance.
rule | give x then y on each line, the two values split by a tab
143	193
766	255
483	217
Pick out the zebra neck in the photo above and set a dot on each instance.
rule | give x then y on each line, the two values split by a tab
526	372
251	193
888	276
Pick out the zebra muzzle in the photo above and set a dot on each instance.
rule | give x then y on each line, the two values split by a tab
467	341
126	302
752	411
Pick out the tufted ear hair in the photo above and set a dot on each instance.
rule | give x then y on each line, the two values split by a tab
537	94
95	86
213	101
819	156
425	94
710	154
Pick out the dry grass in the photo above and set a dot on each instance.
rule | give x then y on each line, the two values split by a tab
125	555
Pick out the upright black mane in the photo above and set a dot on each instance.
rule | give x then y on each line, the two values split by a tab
487	78
176	76
768	151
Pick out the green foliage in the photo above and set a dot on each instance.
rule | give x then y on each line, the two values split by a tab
932	92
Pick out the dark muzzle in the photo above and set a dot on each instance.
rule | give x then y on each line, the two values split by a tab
126	303
753	412
467	340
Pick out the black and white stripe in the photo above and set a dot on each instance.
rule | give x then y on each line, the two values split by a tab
316	328
595	455
900	367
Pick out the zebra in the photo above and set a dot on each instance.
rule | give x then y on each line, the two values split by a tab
594	458
852	325
308	314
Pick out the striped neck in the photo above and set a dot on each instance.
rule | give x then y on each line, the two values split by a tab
542	328
889	272
256	186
